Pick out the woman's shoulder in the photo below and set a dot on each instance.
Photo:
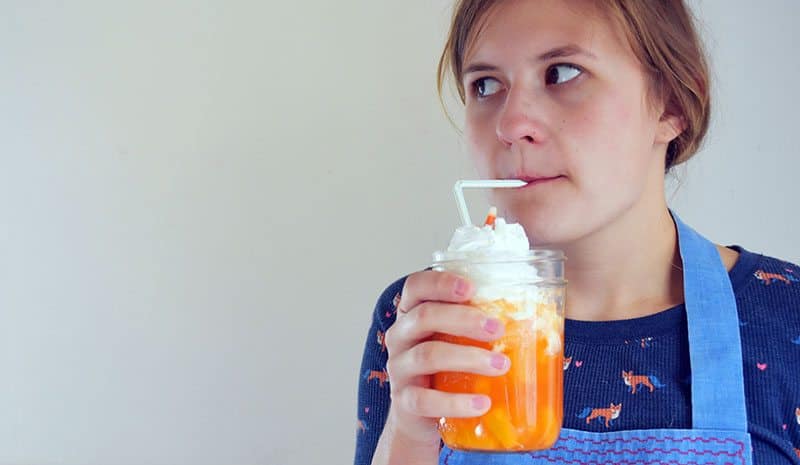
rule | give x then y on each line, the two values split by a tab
764	277
768	301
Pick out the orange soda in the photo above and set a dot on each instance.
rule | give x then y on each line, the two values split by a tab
527	401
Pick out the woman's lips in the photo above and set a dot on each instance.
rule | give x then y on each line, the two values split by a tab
535	181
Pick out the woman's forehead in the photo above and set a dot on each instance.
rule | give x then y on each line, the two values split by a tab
539	26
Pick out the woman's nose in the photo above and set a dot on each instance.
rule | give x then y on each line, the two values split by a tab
520	121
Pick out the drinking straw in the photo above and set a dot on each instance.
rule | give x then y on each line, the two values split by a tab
462	184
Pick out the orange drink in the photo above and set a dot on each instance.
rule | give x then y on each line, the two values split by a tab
526	411
525	289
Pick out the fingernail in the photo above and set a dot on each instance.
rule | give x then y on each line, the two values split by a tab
491	325
499	361
480	402
461	287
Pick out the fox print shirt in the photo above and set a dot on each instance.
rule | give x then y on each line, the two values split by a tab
635	374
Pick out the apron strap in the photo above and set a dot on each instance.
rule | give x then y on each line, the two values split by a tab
715	350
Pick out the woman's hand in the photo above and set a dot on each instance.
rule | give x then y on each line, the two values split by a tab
433	302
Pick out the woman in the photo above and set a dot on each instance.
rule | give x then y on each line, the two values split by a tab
593	101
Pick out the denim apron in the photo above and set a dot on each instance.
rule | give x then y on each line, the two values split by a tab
717	386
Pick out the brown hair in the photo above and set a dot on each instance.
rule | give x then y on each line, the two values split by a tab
662	35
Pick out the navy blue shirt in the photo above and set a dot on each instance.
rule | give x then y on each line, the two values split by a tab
652	354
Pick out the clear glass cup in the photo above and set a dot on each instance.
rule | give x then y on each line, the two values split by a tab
526	291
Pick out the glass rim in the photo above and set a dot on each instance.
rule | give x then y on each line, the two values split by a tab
533	255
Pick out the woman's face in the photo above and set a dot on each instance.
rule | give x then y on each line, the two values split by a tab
555	94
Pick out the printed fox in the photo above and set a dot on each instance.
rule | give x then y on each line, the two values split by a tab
362	427
643	342
567	361
381	337
635	380
381	376
767	278
611	413
797	415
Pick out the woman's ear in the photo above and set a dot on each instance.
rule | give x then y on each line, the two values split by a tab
670	126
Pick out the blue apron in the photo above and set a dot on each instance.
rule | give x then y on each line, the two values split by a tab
715	354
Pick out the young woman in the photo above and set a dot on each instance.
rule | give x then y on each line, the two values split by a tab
686	350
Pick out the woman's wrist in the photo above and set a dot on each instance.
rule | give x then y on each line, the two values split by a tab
396	447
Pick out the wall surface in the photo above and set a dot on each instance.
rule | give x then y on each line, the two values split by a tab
201	201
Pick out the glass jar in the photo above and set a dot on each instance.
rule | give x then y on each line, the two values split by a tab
526	291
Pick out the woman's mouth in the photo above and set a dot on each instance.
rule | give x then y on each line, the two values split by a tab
538	180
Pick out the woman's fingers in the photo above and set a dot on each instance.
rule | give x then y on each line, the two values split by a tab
429	318
433	285
432	357
430	403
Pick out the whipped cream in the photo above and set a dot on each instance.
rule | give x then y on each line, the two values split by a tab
499	262
495	259
504	238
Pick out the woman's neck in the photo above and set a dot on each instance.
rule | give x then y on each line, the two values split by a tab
628	269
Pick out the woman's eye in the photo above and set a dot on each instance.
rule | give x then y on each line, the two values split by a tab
559	74
484	87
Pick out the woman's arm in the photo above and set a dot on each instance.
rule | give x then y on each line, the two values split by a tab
373	387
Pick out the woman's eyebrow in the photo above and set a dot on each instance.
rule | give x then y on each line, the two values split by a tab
478	67
558	52
565	51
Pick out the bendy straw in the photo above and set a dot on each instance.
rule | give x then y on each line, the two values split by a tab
460	185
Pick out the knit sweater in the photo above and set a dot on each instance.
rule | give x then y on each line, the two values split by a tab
653	348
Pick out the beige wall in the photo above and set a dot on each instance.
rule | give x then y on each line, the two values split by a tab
201	200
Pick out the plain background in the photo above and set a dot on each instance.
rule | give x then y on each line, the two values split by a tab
201	201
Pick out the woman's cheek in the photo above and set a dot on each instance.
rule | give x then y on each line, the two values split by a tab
480	140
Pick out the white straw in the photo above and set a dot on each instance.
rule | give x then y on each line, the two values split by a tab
459	187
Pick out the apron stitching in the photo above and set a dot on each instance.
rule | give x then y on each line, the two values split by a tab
630	462
656	439
657	449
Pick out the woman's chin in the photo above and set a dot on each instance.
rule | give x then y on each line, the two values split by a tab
554	228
